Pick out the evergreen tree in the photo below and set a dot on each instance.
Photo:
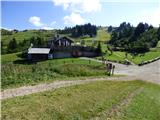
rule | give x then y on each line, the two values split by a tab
135	40
86	29
110	29
39	42
12	46
139	29
99	49
158	33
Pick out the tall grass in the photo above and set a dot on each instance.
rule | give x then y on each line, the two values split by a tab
21	74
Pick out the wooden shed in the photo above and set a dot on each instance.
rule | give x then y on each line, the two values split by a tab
38	53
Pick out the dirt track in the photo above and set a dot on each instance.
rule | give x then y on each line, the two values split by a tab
149	72
26	90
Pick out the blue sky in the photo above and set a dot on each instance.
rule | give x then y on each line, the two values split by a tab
60	13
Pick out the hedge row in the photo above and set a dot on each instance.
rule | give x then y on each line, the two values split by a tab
149	61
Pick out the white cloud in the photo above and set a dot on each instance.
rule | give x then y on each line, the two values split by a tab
91	5
150	16
156	17
36	21
74	18
47	28
81	6
53	22
76	8
6	28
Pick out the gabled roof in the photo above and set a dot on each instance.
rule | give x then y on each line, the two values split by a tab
38	50
63	38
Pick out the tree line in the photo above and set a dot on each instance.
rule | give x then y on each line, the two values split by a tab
14	46
80	30
134	39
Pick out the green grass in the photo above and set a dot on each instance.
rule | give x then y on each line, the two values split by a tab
102	35
83	102
158	45
120	56
7	58
145	106
116	56
14	75
146	57
20	36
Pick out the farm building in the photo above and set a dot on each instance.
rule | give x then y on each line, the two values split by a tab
60	41
38	53
60	47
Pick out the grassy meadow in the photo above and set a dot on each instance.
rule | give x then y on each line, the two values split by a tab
80	102
158	45
88	101
145	57
14	75
20	36
136	59
19	74
10	58
102	35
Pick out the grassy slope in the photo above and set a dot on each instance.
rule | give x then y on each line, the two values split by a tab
102	35
20	36
146	57
145	106
85	102
14	75
158	45
7	58
120	56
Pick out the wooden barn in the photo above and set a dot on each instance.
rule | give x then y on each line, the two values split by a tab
38	53
60	47
60	41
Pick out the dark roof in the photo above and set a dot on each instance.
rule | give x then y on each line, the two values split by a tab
64	38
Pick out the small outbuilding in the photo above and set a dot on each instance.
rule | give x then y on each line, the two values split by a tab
38	53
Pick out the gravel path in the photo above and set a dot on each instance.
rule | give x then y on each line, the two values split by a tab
26	90
149	72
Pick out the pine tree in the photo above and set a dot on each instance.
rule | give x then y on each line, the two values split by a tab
158	33
12	46
99	49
